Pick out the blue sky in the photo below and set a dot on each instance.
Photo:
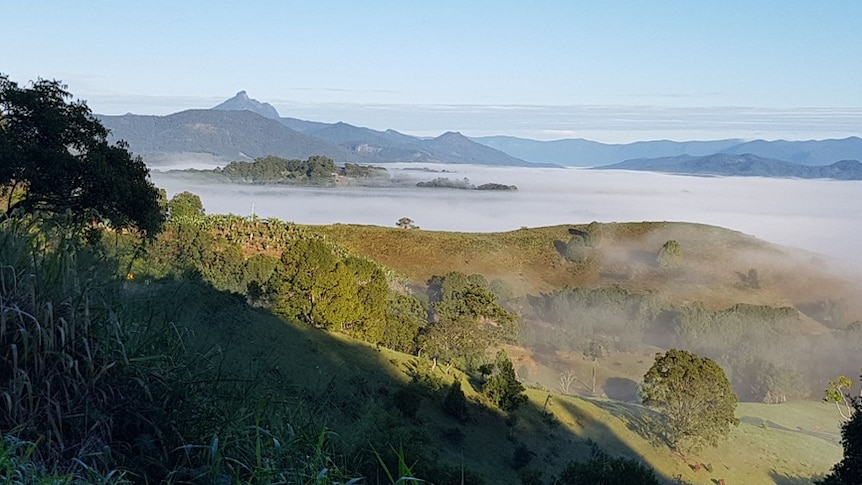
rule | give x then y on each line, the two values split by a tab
609	70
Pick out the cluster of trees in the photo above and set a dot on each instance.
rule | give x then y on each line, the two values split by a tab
455	320
55	157
277	170
314	285
465	319
612	316
464	184
765	358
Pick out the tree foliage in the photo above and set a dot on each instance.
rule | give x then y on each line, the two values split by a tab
503	387
185	205
669	254
694	397
406	223
55	157
849	470
405	318
466	319
313	284
839	393
455	402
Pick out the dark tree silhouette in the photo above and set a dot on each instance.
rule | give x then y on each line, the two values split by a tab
55	157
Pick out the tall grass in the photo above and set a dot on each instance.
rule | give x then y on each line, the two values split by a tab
98	387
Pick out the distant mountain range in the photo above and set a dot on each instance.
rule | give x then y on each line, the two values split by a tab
746	165
586	153
242	128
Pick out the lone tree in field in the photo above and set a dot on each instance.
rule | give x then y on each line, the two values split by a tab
669	254
406	223
694	397
55	157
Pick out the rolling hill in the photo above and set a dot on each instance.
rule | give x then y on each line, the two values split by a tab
526	260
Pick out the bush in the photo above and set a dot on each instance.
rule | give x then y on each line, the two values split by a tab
408	401
455	402
603	468
669	254
521	457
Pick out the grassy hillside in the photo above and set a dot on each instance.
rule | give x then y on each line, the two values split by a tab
712	270
347	386
253	398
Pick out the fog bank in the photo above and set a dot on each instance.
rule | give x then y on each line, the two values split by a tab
823	216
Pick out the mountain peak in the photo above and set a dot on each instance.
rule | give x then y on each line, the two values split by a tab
241	102
451	135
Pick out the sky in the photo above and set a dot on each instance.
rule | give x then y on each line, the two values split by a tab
613	71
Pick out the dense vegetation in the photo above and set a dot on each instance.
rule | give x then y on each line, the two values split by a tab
231	350
447	183
316	170
54	156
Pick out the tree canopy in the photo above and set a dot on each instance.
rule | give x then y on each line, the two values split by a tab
185	204
503	386
55	157
694	397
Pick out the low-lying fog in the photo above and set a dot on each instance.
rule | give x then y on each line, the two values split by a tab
823	216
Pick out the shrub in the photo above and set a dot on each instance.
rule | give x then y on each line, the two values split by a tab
603	468
408	401
455	402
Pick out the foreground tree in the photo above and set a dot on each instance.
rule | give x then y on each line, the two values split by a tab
694	397
55	157
849	470
839	393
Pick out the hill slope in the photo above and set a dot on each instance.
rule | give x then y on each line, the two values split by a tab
324	374
585	153
746	165
527	260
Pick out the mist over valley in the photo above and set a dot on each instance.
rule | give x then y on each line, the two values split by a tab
814	215
541	243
